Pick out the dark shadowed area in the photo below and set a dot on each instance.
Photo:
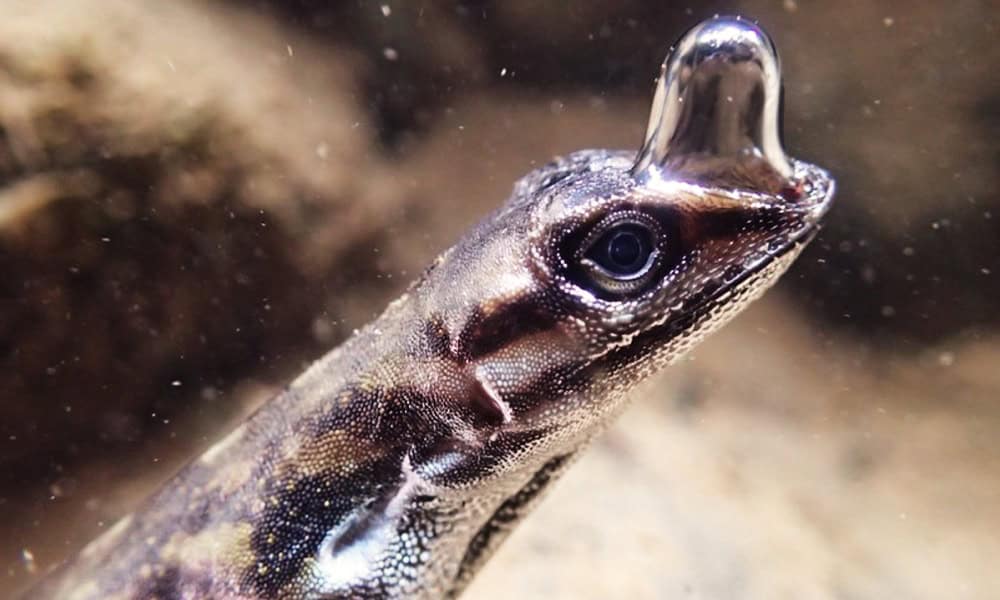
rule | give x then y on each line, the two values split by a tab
199	198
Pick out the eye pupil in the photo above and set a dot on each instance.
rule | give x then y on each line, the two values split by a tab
625	251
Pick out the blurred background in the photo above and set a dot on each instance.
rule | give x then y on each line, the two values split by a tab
199	198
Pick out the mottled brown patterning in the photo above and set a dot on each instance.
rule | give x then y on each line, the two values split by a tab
397	463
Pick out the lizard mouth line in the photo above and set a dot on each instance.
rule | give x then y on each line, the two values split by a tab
795	243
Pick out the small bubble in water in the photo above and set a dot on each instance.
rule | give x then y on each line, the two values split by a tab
28	559
390	53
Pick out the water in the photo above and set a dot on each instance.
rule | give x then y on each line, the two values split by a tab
180	208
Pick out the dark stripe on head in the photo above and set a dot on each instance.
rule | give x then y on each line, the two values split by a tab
728	222
552	384
484	334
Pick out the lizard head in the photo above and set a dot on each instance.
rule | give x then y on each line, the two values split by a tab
605	266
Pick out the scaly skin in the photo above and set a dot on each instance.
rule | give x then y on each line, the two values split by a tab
396	464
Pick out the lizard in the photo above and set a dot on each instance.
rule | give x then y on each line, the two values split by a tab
397	463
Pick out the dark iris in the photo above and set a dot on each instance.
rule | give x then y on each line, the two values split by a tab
623	250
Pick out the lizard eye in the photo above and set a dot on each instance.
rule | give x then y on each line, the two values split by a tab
621	253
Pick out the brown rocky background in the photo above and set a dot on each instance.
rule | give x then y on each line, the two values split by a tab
198	198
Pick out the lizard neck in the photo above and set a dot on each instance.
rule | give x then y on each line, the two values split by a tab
383	470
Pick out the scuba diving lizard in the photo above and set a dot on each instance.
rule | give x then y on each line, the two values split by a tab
395	465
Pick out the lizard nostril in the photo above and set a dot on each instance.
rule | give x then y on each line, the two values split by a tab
792	191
